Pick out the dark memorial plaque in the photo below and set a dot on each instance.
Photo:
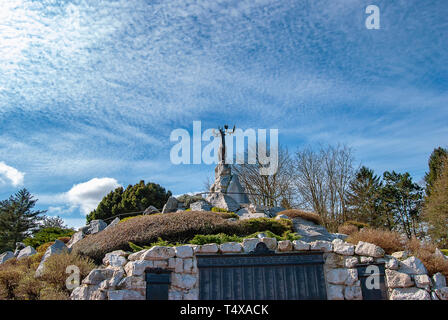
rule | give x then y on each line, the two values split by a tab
265	276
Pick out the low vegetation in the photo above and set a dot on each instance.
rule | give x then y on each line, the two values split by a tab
351	226
392	242
17	280
306	215
176	227
46	235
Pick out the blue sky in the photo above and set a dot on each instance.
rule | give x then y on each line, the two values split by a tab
91	90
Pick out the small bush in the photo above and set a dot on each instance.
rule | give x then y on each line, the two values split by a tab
129	218
425	252
44	247
359	225
219	238
47	235
347	229
306	215
55	275
64	239
444	251
390	241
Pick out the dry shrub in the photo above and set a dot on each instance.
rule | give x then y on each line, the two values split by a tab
54	274
390	241
51	293
347	229
64	239
18	282
425	252
172	227
44	247
306	215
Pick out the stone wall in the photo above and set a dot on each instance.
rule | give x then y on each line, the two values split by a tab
122	276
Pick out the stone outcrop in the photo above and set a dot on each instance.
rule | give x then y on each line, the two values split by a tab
309	231
26	252
5	256
56	248
113	223
151	210
201	205
412	265
170	205
93	227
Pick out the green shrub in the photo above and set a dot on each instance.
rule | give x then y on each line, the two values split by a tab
444	251
219	238
216	209
47	235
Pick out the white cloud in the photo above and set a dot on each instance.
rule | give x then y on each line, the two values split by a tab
12	174
88	194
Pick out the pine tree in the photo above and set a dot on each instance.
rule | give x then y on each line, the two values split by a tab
363	197
17	219
436	162
436	210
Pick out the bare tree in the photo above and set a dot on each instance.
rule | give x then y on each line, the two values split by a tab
267	190
321	180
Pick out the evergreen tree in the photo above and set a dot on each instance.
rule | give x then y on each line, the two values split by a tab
436	210
17	219
363	197
436	162
135	198
401	203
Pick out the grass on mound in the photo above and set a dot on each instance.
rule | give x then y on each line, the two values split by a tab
306	215
176	227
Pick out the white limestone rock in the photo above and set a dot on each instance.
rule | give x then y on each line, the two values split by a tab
170	205
284	246
113	223
350	262
26	252
177	264
301	245
442	293
5	256
184	251
369	249
271	243
321	245
183	281
230	247
353	292
397	279
158	253
392	263
249	244
137	268
413	266
335	292
115	258
422	281
192	294
56	248
409	294
98	275
439	280
124	295
344	248
366	260
208	248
